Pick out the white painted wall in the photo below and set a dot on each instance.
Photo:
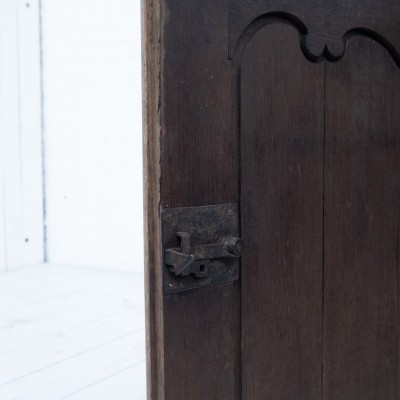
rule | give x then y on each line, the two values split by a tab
92	130
21	201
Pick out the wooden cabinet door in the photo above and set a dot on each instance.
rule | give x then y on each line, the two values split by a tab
286	113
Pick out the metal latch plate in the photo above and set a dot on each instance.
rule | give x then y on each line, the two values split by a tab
205	225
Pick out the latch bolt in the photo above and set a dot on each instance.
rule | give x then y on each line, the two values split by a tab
196	260
201	246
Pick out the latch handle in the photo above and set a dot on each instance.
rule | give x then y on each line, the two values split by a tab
196	260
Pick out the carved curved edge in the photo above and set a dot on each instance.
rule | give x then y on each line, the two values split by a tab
333	53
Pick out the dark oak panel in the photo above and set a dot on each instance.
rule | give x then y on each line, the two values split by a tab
362	203
199	148
202	344
243	104
282	210
199	166
323	23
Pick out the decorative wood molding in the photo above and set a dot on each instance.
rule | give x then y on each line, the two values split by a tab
332	51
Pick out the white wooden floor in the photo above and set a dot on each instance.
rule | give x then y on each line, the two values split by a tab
71	333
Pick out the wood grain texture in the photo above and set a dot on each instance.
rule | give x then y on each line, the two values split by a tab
199	148
306	333
362	200
199	166
282	210
325	22
152	22
192	160
202	344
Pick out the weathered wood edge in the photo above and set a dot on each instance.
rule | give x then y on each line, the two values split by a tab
151	75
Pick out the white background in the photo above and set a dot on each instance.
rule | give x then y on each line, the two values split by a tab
71	198
84	157
21	192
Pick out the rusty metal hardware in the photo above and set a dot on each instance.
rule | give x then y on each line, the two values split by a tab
201	246
196	260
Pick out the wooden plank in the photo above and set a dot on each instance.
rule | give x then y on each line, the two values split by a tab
77	372
152	25
202	349
199	166
282	139
199	157
59	347
92	333
362	192
191	159
126	385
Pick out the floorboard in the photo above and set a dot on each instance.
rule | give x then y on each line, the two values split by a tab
71	333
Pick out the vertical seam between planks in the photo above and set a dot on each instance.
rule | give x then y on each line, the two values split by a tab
397	293
323	236
239	111
236	118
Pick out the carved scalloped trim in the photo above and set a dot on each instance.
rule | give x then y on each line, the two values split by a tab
313	49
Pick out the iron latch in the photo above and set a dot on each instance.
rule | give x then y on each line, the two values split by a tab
201	246
196	260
